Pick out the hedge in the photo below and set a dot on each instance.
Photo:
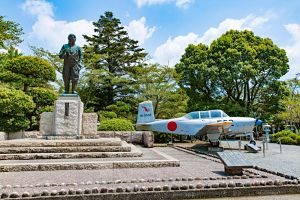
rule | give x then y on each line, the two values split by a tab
116	124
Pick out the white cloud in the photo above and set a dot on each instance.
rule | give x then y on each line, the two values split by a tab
38	7
293	50
50	33
138	30
170	52
179	3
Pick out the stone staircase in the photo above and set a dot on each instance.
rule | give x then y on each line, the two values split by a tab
66	149
73	154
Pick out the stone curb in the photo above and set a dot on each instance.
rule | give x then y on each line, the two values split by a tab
158	192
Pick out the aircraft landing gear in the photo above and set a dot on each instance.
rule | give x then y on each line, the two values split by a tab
214	144
252	142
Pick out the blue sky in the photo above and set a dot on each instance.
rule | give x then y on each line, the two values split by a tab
163	27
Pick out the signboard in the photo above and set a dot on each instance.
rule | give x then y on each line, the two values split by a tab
234	159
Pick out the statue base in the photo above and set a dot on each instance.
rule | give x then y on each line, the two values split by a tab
68	115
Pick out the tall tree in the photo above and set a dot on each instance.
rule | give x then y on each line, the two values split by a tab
112	61
158	83
238	68
10	33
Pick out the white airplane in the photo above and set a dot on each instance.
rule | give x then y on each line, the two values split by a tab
211	123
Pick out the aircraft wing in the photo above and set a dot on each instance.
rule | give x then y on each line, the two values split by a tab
215	128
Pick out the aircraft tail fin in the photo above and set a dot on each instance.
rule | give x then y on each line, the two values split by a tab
145	112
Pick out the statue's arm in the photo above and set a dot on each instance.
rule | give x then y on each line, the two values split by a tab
62	53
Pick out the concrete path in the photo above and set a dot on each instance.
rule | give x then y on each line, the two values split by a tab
287	162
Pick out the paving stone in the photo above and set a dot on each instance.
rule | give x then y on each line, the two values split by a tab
239	184
103	190
175	187
45	193
54	193
166	188
111	190
150	188
71	191
26	194
119	189
4	195
157	188
79	191
14	195
62	192
223	185
199	185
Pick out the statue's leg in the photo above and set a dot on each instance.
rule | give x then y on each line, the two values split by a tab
66	77
74	84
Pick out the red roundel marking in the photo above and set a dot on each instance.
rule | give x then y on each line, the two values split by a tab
172	126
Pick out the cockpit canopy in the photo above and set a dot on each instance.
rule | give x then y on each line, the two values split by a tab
206	114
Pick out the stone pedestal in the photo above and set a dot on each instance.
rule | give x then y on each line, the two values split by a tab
68	112
89	123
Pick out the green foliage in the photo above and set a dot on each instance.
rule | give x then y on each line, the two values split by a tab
14	106
286	137
161	137
44	100
28	70
107	115
116	125
298	140
113	60
280	134
53	59
158	83
10	33
179	115
288	140
238	69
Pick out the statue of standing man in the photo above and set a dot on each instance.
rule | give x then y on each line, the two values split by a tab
72	55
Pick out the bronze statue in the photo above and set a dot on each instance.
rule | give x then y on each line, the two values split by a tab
72	55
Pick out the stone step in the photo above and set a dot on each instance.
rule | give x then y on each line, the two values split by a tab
88	165
76	155
18	150
151	158
61	143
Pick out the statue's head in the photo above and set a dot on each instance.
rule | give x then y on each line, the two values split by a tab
71	38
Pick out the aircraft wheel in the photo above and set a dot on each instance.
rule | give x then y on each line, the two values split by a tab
214	144
252	142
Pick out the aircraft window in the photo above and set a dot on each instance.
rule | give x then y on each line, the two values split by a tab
225	115
192	115
215	113
204	114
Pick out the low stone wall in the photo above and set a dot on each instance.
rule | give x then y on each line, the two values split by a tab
3	136
137	137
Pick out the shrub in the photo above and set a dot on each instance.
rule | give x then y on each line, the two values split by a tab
179	115
298	139
287	140
293	136
116	124
107	115
284	133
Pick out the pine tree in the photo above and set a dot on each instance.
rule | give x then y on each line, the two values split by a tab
112	61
